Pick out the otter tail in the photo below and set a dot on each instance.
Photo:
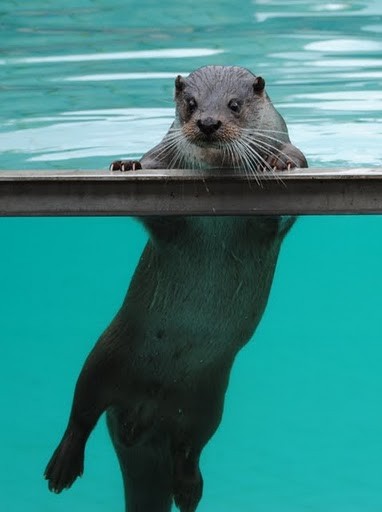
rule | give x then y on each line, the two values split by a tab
147	475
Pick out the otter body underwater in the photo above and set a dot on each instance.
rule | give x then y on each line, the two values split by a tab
161	369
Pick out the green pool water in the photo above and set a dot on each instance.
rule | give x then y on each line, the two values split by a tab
84	82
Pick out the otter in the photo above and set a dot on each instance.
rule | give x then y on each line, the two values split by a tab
161	369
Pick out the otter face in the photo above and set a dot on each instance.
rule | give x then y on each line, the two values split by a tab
224	118
214	104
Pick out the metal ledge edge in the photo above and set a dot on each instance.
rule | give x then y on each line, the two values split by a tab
313	191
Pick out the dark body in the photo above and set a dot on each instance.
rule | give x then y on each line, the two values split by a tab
161	369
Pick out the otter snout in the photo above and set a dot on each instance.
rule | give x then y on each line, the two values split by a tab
209	125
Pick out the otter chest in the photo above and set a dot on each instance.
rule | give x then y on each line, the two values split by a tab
218	266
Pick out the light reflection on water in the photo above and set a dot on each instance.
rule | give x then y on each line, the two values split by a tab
61	138
170	53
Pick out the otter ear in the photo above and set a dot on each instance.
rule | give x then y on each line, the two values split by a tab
180	83
259	84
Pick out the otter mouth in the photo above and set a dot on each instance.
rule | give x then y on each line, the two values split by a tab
210	134
208	141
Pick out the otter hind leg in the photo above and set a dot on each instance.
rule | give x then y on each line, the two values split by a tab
188	481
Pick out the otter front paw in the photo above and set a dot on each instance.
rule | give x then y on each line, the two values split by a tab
66	464
125	165
287	158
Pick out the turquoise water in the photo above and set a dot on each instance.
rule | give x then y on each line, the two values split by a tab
84	82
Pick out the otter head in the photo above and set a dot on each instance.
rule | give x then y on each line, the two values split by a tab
214	104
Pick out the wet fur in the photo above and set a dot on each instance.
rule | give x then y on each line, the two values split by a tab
162	367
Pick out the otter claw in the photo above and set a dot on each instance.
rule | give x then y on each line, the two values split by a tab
125	165
114	166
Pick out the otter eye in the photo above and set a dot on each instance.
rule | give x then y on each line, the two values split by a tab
191	104
235	106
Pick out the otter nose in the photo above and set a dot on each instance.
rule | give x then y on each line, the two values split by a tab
209	125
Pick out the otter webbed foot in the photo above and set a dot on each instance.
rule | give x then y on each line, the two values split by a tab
67	462
125	165
188	483
287	158
188	493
